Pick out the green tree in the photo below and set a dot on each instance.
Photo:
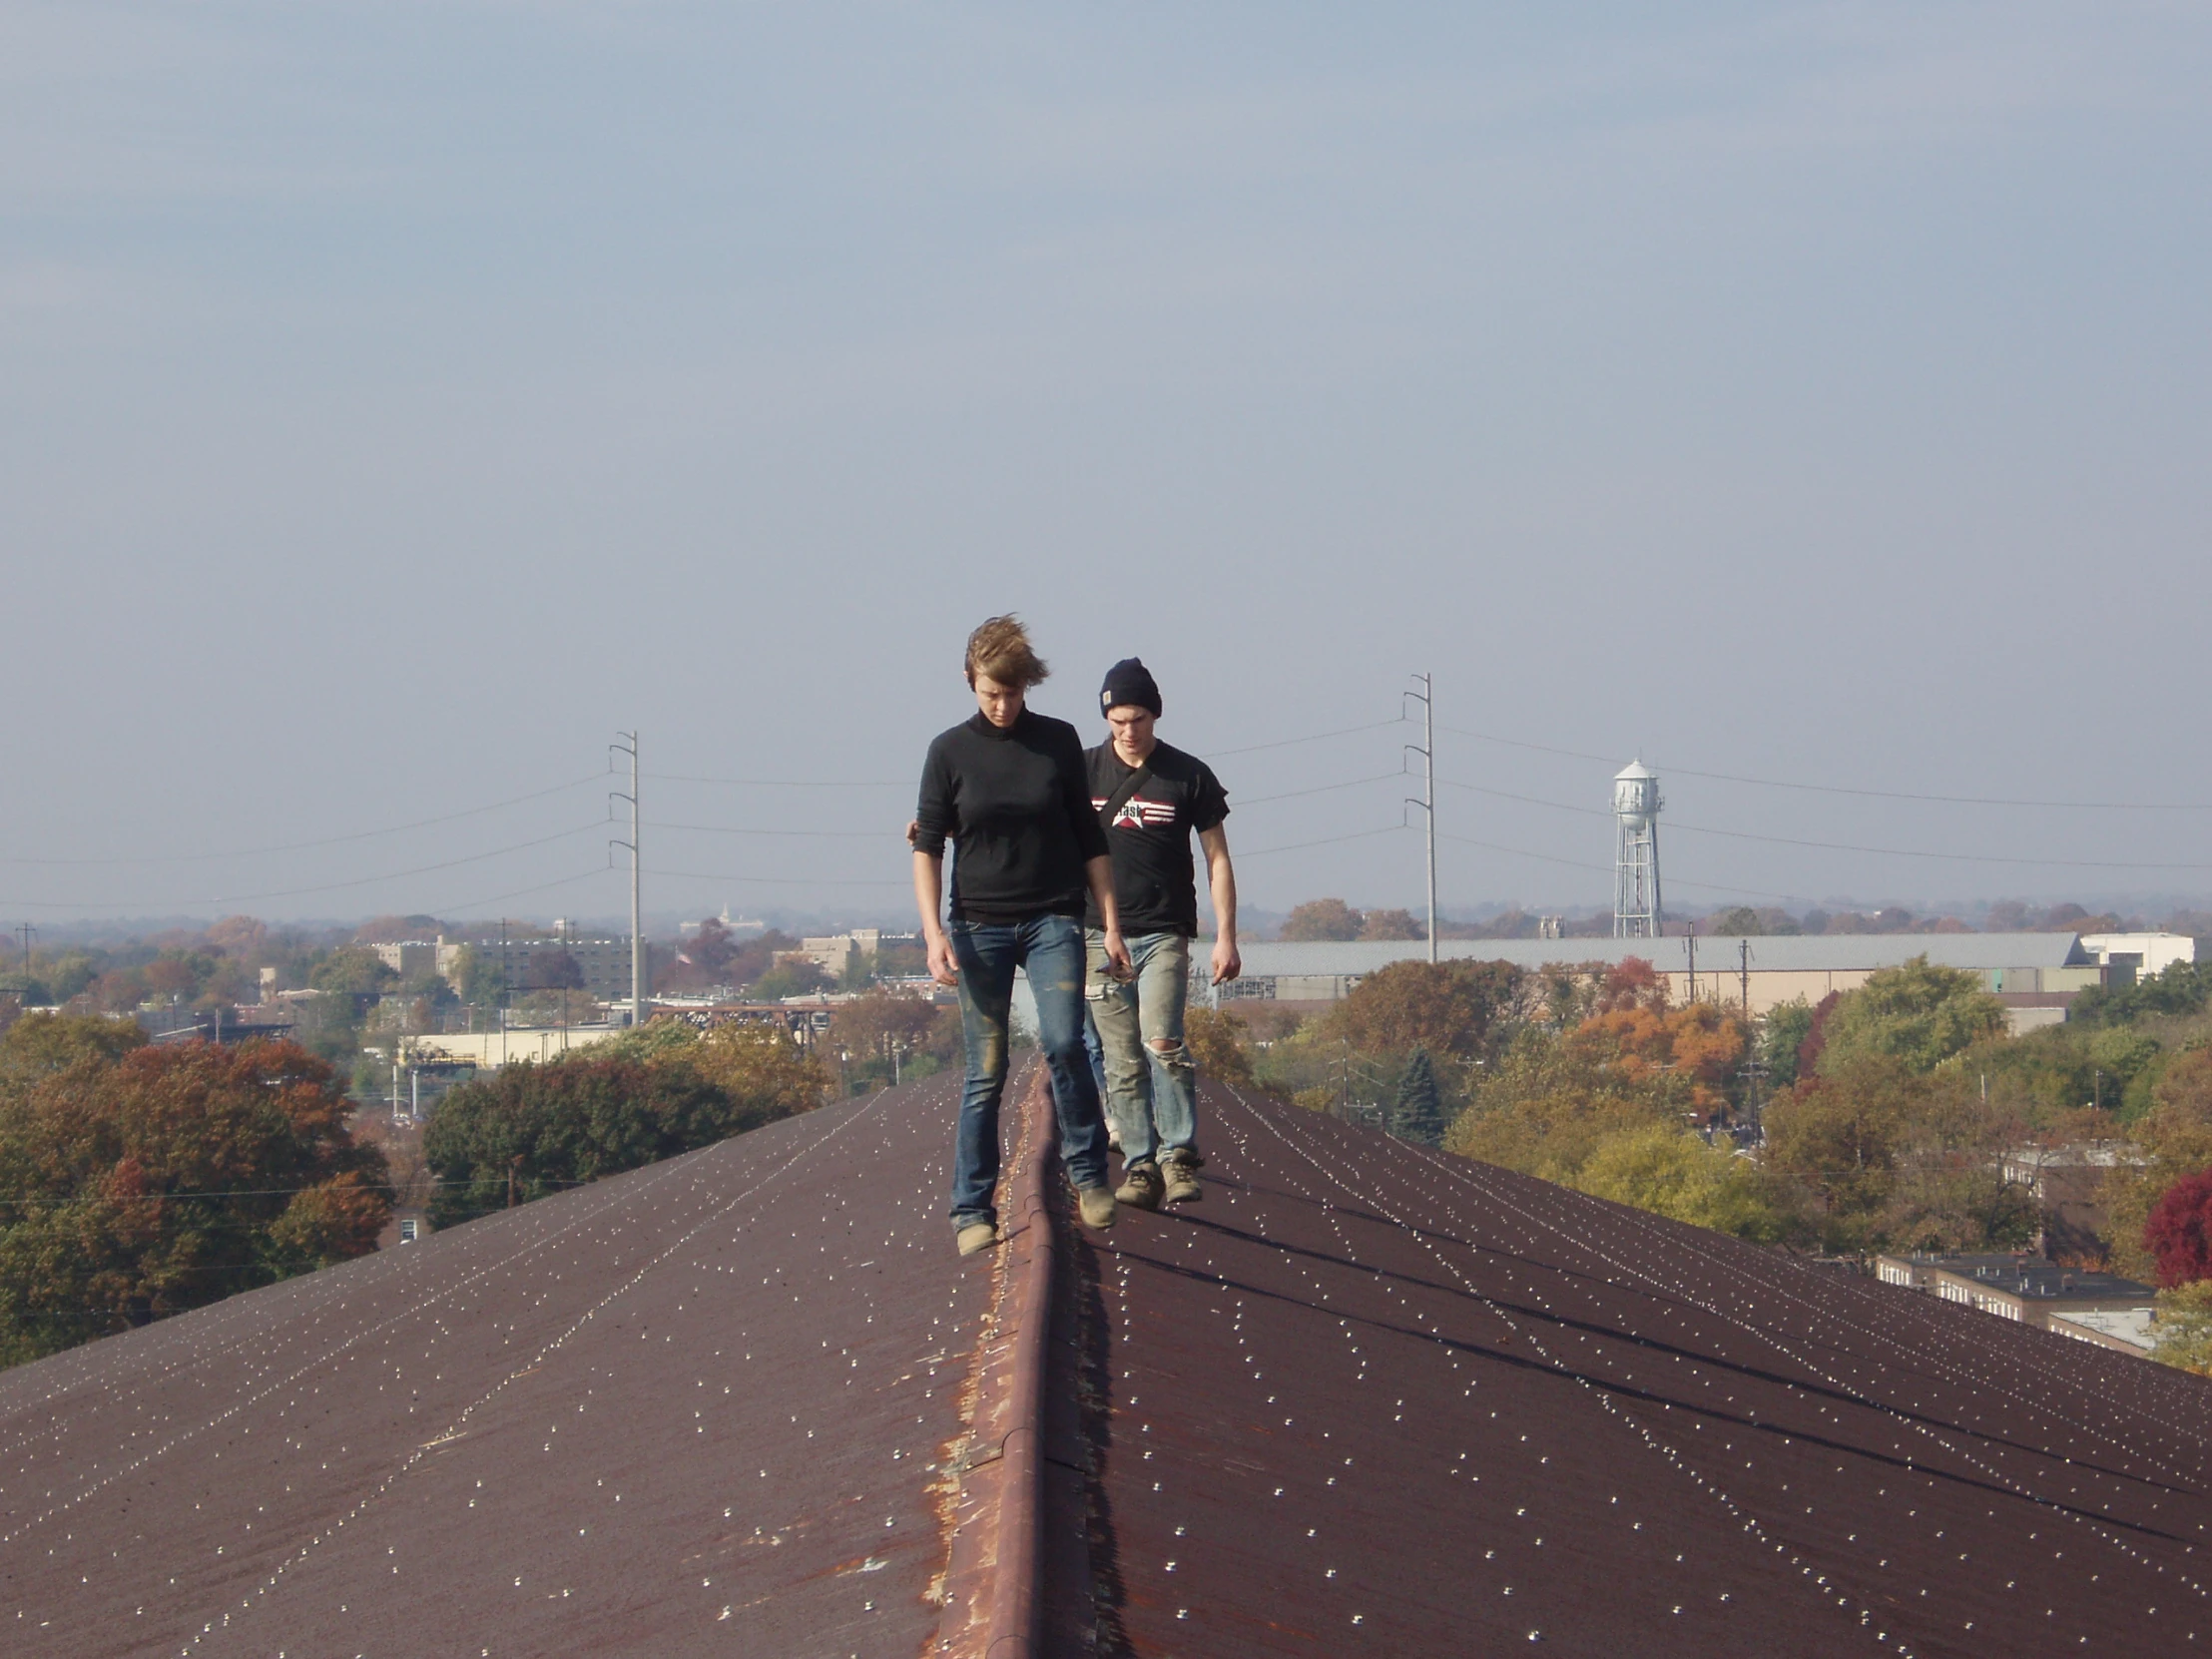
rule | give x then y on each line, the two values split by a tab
170	1176
549	1127
2184	1327
1417	1113
354	970
792	977
1917	1014
1740	922
478	977
1781	1035
1320	919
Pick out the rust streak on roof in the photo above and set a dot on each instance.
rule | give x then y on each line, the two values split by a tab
992	1595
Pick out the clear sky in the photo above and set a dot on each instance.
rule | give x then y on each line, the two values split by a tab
395	401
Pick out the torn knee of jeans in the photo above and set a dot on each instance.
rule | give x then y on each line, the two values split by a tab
1169	1051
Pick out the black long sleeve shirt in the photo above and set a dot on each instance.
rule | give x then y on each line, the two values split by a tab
1016	804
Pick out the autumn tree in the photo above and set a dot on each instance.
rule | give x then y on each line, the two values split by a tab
766	1074
1391	924
165	1178
40	1044
1220	1045
880	1020
2175	1139
1454	1008
2179	1234
1321	919
1701	1044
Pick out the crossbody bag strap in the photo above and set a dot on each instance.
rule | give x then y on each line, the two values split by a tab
1120	798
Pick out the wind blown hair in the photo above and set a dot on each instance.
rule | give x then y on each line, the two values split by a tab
1000	648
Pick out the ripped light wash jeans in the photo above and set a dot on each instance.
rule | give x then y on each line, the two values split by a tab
1052	948
1151	1091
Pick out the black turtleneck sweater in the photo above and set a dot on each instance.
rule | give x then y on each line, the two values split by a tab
1016	804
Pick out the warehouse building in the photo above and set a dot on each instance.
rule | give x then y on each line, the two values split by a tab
2035	973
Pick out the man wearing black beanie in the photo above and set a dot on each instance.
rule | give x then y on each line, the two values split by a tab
1151	798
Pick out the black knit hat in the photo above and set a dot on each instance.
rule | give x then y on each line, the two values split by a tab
1129	684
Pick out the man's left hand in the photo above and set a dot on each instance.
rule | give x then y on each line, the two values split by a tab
1118	964
1228	962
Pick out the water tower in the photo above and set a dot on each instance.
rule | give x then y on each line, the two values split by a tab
1636	804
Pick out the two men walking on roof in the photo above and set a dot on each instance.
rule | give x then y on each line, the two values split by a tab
1047	839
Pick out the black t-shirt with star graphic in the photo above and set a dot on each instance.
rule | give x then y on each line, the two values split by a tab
1155	880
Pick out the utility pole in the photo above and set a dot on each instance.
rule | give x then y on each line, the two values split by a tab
26	933
1742	974
628	745
1427	803
1692	942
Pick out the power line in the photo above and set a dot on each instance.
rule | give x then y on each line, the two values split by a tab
297	892
1838	789
331	841
1325	840
1833	847
1316	737
785	782
805	834
1320	788
775	881
1579	864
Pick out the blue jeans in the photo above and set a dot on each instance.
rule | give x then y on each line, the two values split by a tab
1052	948
1151	1085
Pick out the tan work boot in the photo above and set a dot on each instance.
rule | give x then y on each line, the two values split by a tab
1179	1171
975	1237
1140	1187
1097	1204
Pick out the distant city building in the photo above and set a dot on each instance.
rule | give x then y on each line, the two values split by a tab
2021	1288
736	926
604	964
418	958
834	952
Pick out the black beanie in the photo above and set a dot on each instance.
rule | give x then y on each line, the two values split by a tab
1129	684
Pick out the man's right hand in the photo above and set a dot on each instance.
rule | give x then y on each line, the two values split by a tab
944	968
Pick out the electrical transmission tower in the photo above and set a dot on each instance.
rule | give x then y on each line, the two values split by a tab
1636	804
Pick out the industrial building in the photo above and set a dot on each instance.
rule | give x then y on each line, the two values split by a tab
2034	974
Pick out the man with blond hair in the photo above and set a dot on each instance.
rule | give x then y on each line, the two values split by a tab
1008	789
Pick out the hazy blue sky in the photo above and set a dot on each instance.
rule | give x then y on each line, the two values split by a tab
397	399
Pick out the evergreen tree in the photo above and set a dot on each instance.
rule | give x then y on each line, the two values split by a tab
1417	1114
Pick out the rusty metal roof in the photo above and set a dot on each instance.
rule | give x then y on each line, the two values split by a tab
1362	1399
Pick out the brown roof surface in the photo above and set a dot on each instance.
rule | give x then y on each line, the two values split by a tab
1362	1399
693	1408
1369	1399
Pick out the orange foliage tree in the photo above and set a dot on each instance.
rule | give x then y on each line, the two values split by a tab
170	1176
1702	1043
